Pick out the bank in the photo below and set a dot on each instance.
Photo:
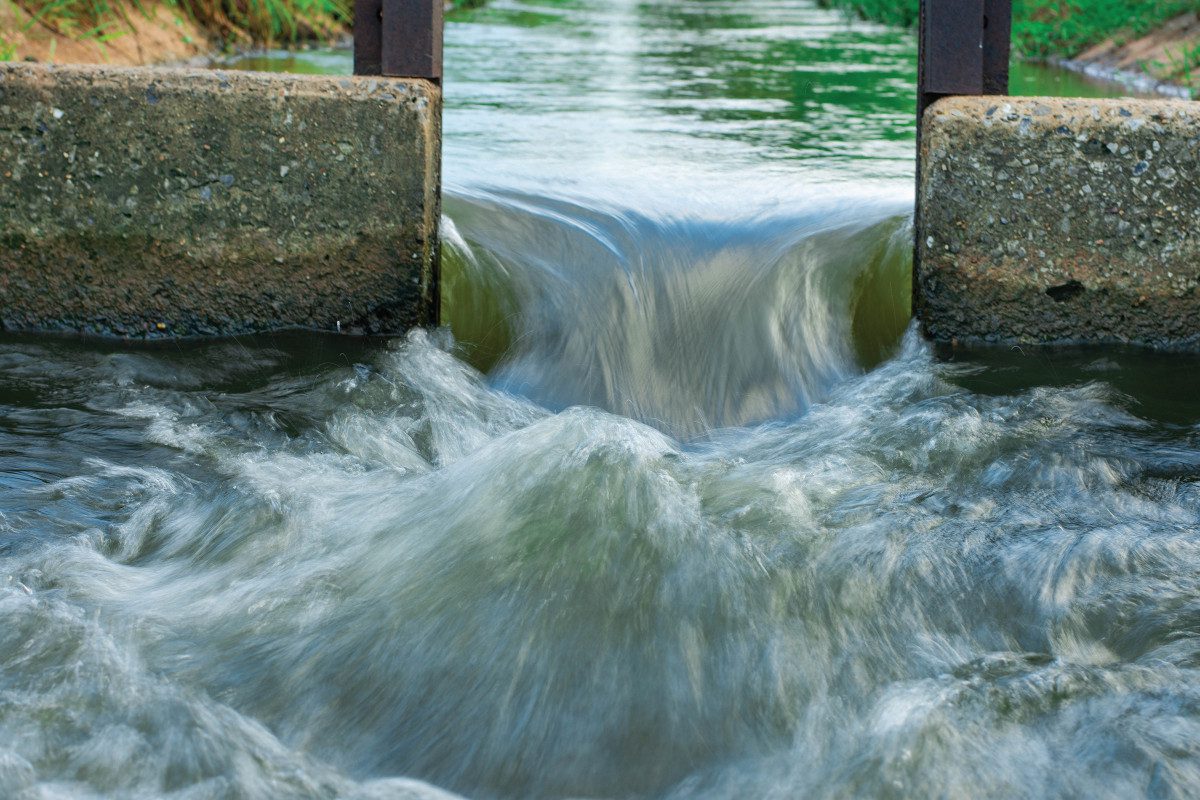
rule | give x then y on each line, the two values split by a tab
145	32
1152	43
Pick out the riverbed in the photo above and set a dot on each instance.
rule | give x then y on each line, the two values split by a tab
678	504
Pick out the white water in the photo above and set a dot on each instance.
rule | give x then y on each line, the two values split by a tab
909	590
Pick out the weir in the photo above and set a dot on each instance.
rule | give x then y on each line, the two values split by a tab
152	202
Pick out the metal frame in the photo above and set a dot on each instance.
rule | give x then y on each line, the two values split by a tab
398	38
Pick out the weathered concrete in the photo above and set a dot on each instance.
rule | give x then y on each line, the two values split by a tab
1052	220
180	202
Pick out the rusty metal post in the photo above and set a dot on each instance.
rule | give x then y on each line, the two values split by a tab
949	50
398	38
997	45
368	37
962	48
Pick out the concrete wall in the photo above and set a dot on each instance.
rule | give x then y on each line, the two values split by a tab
1051	220
144	202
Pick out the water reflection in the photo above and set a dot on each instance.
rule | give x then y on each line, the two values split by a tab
620	97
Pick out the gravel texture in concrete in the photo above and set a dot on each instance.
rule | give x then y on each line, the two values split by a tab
1045	220
152	202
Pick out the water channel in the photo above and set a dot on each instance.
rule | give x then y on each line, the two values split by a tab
677	506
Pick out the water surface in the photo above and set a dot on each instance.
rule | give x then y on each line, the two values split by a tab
677	506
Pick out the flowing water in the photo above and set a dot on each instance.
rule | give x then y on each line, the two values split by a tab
677	506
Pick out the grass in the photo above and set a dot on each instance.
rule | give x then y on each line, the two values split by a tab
228	22
901	13
1043	28
232	22
271	21
1182	64
96	20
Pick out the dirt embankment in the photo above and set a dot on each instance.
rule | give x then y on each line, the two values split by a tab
142	32
158	33
1168	55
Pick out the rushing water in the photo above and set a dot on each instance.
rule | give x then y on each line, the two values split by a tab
679	508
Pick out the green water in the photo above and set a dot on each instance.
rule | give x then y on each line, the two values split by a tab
678	505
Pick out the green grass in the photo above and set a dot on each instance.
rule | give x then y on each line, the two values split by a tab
96	20
271	21
231	22
257	22
1182	64
901	13
1043	28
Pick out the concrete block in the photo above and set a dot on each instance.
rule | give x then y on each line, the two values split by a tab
151	202
1047	220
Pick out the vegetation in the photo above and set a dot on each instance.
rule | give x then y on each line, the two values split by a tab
268	21
1047	28
902	13
231	22
90	19
1044	28
1182	63
228	23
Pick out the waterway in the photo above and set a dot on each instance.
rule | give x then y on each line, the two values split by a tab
677	505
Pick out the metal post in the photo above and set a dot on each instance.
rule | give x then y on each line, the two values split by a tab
962	48
398	38
997	45
368	37
949	50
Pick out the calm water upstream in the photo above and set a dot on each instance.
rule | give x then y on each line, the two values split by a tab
680	508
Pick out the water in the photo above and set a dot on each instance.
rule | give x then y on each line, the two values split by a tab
678	507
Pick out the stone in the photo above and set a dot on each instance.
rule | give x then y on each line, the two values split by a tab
149	202
1101	242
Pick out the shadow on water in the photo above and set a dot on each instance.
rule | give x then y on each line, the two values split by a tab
1158	386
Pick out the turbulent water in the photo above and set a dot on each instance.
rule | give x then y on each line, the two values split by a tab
677	506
